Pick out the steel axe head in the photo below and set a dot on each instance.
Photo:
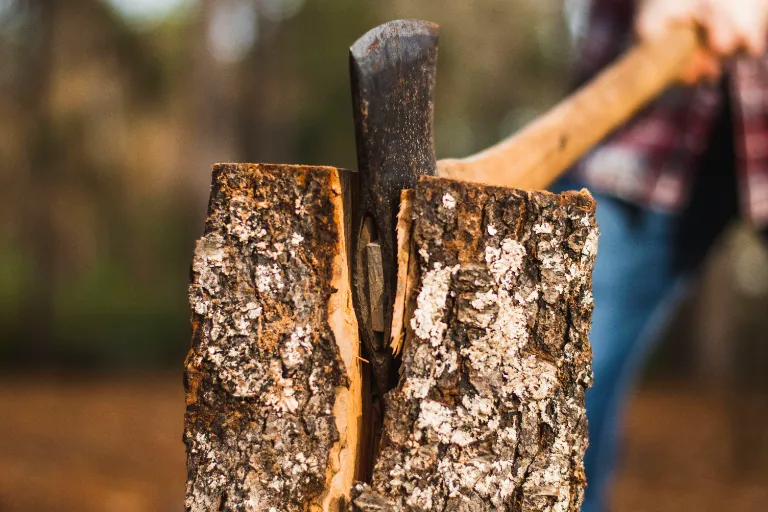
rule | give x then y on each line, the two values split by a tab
393	70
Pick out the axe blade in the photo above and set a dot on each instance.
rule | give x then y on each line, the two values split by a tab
393	70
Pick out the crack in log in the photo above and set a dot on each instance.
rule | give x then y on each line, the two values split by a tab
489	410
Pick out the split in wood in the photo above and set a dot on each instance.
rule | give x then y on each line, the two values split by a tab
489	411
404	286
491	314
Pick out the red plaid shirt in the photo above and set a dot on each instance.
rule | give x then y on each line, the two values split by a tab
653	160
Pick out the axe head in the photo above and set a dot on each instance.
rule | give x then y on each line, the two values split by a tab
393	70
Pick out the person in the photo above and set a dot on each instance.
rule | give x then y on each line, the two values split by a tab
666	184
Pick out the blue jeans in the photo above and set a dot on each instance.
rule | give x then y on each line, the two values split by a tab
635	285
643	261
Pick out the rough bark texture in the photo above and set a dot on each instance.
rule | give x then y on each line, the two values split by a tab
489	412
272	379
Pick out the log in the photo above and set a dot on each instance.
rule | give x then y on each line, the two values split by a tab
272	381
489	410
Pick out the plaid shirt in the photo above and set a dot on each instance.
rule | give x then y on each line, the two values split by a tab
653	160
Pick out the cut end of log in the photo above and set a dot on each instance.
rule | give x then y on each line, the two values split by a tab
273	378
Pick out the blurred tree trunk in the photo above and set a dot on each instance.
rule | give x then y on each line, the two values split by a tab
212	121
254	73
261	136
39	236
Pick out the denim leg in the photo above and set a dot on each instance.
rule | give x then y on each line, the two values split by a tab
634	277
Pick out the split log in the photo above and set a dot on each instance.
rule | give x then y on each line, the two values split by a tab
273	378
489	411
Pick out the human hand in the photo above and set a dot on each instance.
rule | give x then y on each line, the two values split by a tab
730	26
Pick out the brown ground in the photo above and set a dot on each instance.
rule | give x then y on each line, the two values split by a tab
96	445
115	445
682	453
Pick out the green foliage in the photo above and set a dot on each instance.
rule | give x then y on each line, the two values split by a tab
109	317
12	277
112	146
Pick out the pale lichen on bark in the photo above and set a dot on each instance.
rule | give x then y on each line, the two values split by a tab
489	413
270	384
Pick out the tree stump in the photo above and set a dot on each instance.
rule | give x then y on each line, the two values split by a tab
489	412
273	378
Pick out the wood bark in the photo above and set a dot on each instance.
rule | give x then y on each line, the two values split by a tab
273	377
489	411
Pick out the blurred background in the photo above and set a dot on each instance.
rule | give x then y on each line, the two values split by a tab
111	113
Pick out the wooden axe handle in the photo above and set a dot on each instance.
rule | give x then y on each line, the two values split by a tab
537	155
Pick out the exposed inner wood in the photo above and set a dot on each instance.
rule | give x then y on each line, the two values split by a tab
273	377
404	223
375	285
489	411
343	464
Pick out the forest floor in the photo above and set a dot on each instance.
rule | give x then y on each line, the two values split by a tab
113	444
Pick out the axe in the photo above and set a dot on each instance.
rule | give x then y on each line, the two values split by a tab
393	70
